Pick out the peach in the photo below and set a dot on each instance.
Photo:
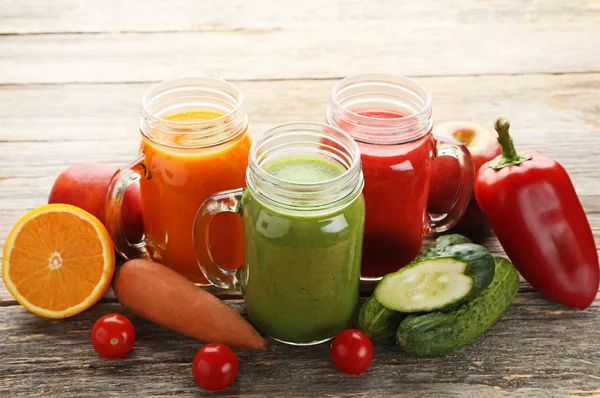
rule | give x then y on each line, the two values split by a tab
483	146
85	185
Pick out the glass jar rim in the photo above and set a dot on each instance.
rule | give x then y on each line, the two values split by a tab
223	103
386	78
189	82
341	186
373	129
275	130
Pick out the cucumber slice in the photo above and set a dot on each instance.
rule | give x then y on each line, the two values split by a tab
428	285
381	323
454	274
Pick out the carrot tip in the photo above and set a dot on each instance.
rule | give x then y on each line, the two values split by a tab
264	346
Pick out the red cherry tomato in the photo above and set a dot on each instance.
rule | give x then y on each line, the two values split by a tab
113	336
215	366
352	351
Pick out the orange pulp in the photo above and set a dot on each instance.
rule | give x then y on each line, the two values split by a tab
58	260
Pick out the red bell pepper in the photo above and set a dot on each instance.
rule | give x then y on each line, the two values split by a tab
530	202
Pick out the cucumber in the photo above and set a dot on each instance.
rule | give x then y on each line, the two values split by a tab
450	275
380	323
377	322
440	333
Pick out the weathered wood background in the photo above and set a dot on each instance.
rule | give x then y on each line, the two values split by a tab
72	75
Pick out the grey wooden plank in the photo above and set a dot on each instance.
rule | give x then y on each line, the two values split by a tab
99	112
319	51
39	16
536	349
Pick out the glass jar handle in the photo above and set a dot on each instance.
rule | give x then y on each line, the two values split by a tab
449	147
225	201
122	179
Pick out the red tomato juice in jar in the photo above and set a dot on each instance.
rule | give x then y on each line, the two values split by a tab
390	117
398	185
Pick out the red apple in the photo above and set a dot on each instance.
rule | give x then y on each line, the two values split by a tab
483	146
85	185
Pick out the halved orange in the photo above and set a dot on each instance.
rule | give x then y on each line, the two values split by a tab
58	260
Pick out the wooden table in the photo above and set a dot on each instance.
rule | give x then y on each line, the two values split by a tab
72	75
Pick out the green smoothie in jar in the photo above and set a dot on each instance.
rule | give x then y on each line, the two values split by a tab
301	277
303	214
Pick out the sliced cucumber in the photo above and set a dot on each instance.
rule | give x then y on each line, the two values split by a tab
378	321
440	333
429	285
458	273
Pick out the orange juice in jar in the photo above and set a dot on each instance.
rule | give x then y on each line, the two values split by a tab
194	143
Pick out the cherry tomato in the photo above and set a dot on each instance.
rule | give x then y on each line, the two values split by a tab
351	351
215	366
113	336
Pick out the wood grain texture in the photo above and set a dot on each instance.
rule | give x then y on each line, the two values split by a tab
536	349
71	79
536	104
39	16
321	51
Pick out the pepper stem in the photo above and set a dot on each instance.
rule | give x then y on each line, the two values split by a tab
510	156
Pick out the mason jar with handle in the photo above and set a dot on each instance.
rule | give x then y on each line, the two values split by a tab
303	216
391	119
194	143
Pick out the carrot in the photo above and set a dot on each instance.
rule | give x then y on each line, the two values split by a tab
160	295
